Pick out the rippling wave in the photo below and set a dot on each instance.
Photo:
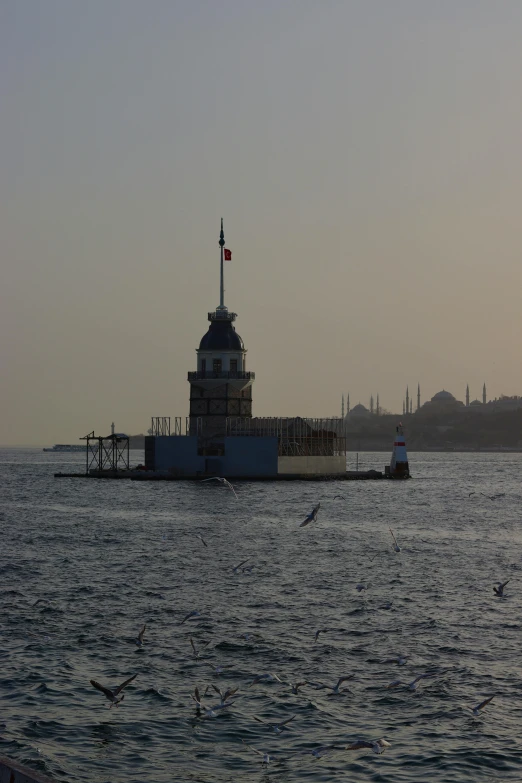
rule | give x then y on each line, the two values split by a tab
84	564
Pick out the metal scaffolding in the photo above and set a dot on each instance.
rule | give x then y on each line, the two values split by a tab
297	437
110	453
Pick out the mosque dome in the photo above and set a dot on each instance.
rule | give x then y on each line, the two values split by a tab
443	396
359	410
476	403
221	336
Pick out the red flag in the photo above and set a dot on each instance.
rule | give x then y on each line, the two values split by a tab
228	255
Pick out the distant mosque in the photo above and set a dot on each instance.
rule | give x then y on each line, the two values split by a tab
443	402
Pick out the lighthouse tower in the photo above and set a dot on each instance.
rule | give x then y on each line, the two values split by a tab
221	386
399	468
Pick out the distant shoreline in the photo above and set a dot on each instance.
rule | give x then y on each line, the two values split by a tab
374	450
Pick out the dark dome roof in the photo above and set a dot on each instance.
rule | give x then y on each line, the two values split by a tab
221	336
443	395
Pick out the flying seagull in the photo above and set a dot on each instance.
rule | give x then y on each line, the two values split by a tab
268	677
395	544
210	712
197	652
378	746
201	539
194	613
312	516
224	696
139	640
476	710
323	630
216	669
112	696
500	589
319	686
266	757
295	688
399	659
277	728
223	481
235	569
412	686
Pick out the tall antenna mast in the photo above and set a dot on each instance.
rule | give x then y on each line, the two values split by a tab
221	279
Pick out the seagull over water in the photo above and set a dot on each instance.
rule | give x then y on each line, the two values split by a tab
266	757
378	746
499	590
112	696
235	569
224	696
312	516
412	686
335	689
268	677
396	547
277	728
295	687
139	640
323	630
476	710
201	539
223	481
188	616
197	652
210	712
400	660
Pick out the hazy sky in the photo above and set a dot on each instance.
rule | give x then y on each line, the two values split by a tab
365	155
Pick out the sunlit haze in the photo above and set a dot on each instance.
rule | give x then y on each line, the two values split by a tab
366	159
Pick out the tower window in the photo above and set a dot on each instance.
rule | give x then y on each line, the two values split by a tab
217	365
233	365
203	365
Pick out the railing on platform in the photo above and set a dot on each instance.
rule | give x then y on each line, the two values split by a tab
296	436
205	375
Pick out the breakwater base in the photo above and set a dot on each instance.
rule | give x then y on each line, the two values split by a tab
159	475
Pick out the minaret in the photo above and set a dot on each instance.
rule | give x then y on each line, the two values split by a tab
484	400
220	387
371	403
347	404
407	400
467	396
418	396
377	407
411	405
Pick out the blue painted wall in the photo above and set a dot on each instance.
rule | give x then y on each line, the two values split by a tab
243	457
250	457
178	453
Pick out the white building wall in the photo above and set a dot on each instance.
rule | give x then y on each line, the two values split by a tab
310	466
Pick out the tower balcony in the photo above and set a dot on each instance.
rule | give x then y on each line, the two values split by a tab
222	315
221	375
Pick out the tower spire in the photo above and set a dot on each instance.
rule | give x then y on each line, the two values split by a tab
221	278
467	396
484	397
418	396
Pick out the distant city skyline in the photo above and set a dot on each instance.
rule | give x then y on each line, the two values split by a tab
365	158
